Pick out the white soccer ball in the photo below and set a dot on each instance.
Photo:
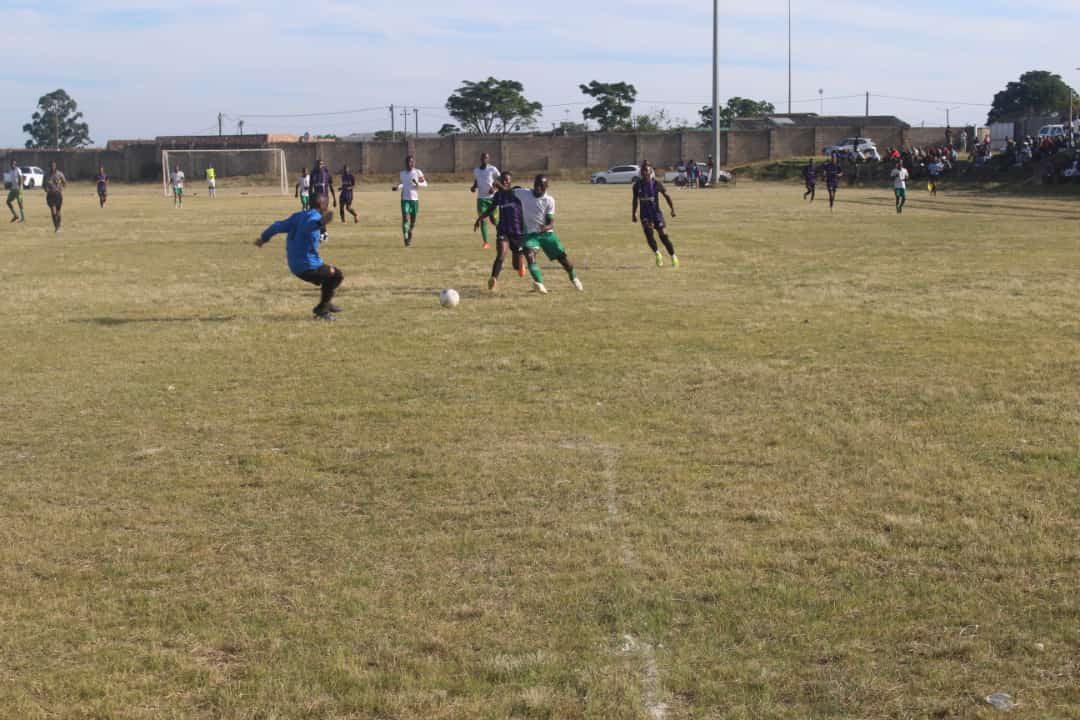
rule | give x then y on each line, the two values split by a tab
449	298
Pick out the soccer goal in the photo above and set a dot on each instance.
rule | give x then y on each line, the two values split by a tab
243	171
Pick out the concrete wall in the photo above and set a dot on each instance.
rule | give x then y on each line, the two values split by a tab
459	154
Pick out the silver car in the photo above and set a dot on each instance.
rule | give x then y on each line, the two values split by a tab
624	174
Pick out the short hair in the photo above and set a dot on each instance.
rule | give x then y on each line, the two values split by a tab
319	198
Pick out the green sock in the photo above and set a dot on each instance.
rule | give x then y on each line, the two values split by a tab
405	229
572	272
534	270
483	232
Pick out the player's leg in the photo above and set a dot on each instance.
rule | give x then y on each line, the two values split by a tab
669	246
518	253
328	278
650	238
15	197
531	245
813	192
554	250
832	196
482	206
502	246
406	227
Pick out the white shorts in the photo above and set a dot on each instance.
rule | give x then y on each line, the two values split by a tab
211	184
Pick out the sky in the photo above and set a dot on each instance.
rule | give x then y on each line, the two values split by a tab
142	68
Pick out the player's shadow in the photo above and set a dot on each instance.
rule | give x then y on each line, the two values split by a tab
113	321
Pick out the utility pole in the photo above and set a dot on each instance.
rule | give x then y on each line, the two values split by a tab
393	134
716	84
867	103
405	117
821	95
788	57
416	122
220	120
240	126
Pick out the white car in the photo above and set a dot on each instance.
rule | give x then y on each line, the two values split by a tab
678	176
624	174
848	147
1051	131
32	177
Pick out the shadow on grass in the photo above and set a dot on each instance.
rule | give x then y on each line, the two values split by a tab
967	208
111	321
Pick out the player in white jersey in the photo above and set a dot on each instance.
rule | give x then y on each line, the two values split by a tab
177	182
900	177
303	189
412	179
538	209
484	179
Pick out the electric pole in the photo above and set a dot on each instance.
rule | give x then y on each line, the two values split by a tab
405	118
220	120
867	103
716	84
789	57
416	122
393	134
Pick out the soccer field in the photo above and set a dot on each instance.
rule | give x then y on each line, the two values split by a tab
829	468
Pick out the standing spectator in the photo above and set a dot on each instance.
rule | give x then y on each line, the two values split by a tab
963	140
948	137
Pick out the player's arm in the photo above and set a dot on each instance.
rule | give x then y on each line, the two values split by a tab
422	182
549	223
330	187
281	226
475	186
663	191
634	205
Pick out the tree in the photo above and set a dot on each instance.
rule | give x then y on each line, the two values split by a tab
736	107
492	107
389	136
656	121
57	124
448	129
613	104
1038	92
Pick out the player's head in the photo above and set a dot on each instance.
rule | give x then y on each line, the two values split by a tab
52	166
506	177
14	164
484	159
646	169
899	163
410	162
540	185
303	171
321	203
834	157
345	169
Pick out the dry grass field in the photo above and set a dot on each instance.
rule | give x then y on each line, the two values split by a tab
830	468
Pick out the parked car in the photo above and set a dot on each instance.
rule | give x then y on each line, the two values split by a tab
854	148
619	174
678	175
1051	131
32	177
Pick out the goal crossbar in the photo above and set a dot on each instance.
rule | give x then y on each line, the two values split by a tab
278	153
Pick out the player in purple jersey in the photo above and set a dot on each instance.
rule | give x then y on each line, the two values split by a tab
833	173
510	228
647	192
348	182
322	182
102	186
809	174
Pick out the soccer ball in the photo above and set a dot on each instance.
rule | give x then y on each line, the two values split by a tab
449	298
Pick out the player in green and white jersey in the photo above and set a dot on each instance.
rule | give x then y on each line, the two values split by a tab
538	209
484	179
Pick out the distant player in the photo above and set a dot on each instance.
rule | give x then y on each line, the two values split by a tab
484	178
833	173
177	182
211	182
412	179
934	170
809	174
538	209
55	184
102	180
345	198
510	229
647	192
303	189
15	194
900	177
322	182
305	230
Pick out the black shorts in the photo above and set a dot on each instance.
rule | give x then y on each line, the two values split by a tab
102	191
655	223
320	275
346	197
54	199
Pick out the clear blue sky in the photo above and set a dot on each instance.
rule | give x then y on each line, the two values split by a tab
142	68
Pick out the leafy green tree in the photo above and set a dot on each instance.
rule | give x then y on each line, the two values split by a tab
57	123
656	121
736	107
448	129
613	106
492	107
1038	92
389	136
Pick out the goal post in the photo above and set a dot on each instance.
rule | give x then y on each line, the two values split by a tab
255	170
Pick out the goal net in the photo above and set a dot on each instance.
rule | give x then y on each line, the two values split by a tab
255	171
